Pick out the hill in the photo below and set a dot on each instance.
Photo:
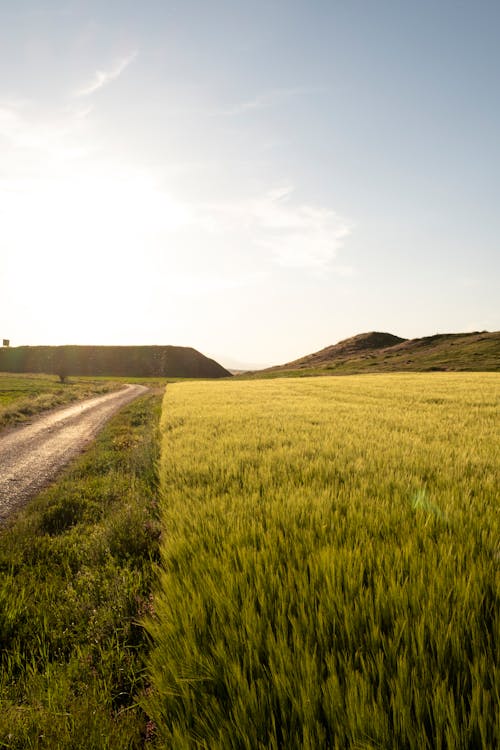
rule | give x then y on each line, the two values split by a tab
361	345
112	361
384	352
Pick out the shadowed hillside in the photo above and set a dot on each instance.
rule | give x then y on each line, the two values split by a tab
361	345
112	361
384	352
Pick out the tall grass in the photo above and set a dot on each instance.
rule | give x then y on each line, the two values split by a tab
330	552
76	572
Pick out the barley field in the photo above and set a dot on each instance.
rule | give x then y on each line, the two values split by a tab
330	559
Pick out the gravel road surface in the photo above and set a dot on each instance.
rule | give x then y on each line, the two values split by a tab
31	455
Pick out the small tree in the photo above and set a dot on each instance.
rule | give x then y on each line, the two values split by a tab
60	364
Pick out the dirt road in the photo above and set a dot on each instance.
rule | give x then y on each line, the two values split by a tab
31	455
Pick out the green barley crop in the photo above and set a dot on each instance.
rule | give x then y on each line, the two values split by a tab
330	552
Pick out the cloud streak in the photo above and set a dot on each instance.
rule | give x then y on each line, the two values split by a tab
104	77
261	101
285	233
30	139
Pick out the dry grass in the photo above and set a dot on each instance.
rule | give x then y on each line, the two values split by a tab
23	396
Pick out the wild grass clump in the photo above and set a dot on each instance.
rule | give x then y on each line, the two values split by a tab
329	552
76	572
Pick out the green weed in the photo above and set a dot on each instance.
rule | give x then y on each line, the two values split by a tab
76	571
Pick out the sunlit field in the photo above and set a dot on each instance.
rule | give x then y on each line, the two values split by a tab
330	547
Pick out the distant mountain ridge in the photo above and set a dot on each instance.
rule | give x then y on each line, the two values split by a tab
112	361
385	352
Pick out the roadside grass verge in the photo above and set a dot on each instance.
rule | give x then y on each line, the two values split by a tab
76	572
23	396
330	555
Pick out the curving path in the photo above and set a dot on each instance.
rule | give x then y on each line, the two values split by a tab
31	455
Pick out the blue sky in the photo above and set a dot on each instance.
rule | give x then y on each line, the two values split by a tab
257	180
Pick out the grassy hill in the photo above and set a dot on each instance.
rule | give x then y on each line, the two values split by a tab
384	352
112	361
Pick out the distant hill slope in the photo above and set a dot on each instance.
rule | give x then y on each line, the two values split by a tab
361	345
112	361
384	352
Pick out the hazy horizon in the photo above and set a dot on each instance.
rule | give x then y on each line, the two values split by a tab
256	181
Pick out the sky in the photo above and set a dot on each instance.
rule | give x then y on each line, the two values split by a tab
257	180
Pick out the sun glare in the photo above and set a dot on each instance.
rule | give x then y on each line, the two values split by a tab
80	237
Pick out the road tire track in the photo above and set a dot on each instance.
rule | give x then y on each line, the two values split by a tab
32	455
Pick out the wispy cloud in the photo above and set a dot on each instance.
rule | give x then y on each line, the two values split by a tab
262	100
240	235
282	231
104	77
299	235
29	136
